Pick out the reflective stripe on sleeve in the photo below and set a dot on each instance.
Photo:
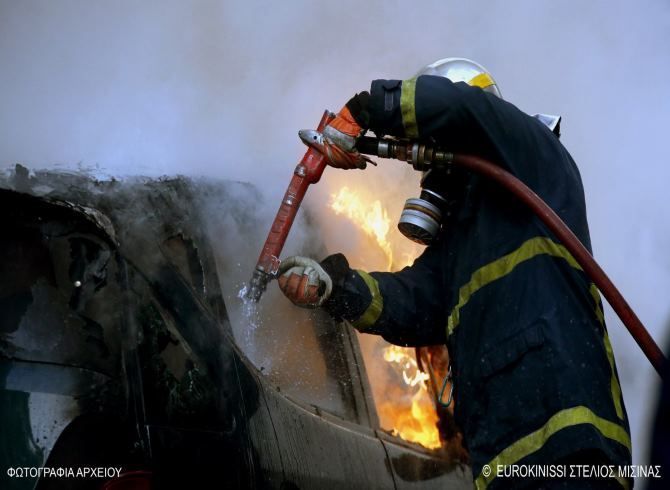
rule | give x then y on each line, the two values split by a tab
408	108
534	441
371	314
501	267
615	387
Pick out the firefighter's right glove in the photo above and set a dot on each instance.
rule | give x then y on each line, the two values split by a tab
304	282
342	133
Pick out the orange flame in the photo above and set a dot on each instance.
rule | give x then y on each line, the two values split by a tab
372	218
417	421
405	407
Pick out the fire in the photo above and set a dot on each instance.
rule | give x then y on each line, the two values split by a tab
413	418
394	353
403	401
372	218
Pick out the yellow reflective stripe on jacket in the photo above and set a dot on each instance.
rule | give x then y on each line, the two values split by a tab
534	441
371	314
623	482
615	387
482	80
503	266
614	382
593	289
408	108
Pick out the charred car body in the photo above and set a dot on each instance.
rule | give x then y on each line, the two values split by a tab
116	350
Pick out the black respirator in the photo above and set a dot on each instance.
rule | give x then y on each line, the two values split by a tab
422	217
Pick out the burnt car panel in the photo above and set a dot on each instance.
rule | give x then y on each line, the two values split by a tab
114	324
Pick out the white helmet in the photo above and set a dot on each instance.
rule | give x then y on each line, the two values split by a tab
463	70
472	73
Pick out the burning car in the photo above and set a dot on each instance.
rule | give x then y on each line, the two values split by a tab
123	345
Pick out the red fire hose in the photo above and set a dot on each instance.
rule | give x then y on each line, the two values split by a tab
576	248
306	173
423	156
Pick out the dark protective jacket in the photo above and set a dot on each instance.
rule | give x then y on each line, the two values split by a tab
534	374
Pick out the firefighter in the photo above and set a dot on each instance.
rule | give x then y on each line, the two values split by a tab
535	380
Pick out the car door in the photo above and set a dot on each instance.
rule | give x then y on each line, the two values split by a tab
317	409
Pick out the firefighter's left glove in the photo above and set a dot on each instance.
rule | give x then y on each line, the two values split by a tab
304	282
342	133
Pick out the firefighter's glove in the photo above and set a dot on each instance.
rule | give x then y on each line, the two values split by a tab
304	282
342	133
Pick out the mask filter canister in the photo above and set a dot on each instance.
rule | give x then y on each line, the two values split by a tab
421	217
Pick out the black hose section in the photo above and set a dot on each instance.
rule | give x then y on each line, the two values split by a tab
576	248
368	145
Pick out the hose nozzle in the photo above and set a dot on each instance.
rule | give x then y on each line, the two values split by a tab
257	285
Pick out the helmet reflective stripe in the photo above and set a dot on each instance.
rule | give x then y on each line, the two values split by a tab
463	70
483	80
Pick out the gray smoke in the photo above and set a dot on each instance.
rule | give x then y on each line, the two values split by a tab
220	89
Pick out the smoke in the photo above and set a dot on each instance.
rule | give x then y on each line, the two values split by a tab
220	89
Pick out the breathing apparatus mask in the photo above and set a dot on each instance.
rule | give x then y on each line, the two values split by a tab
423	217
